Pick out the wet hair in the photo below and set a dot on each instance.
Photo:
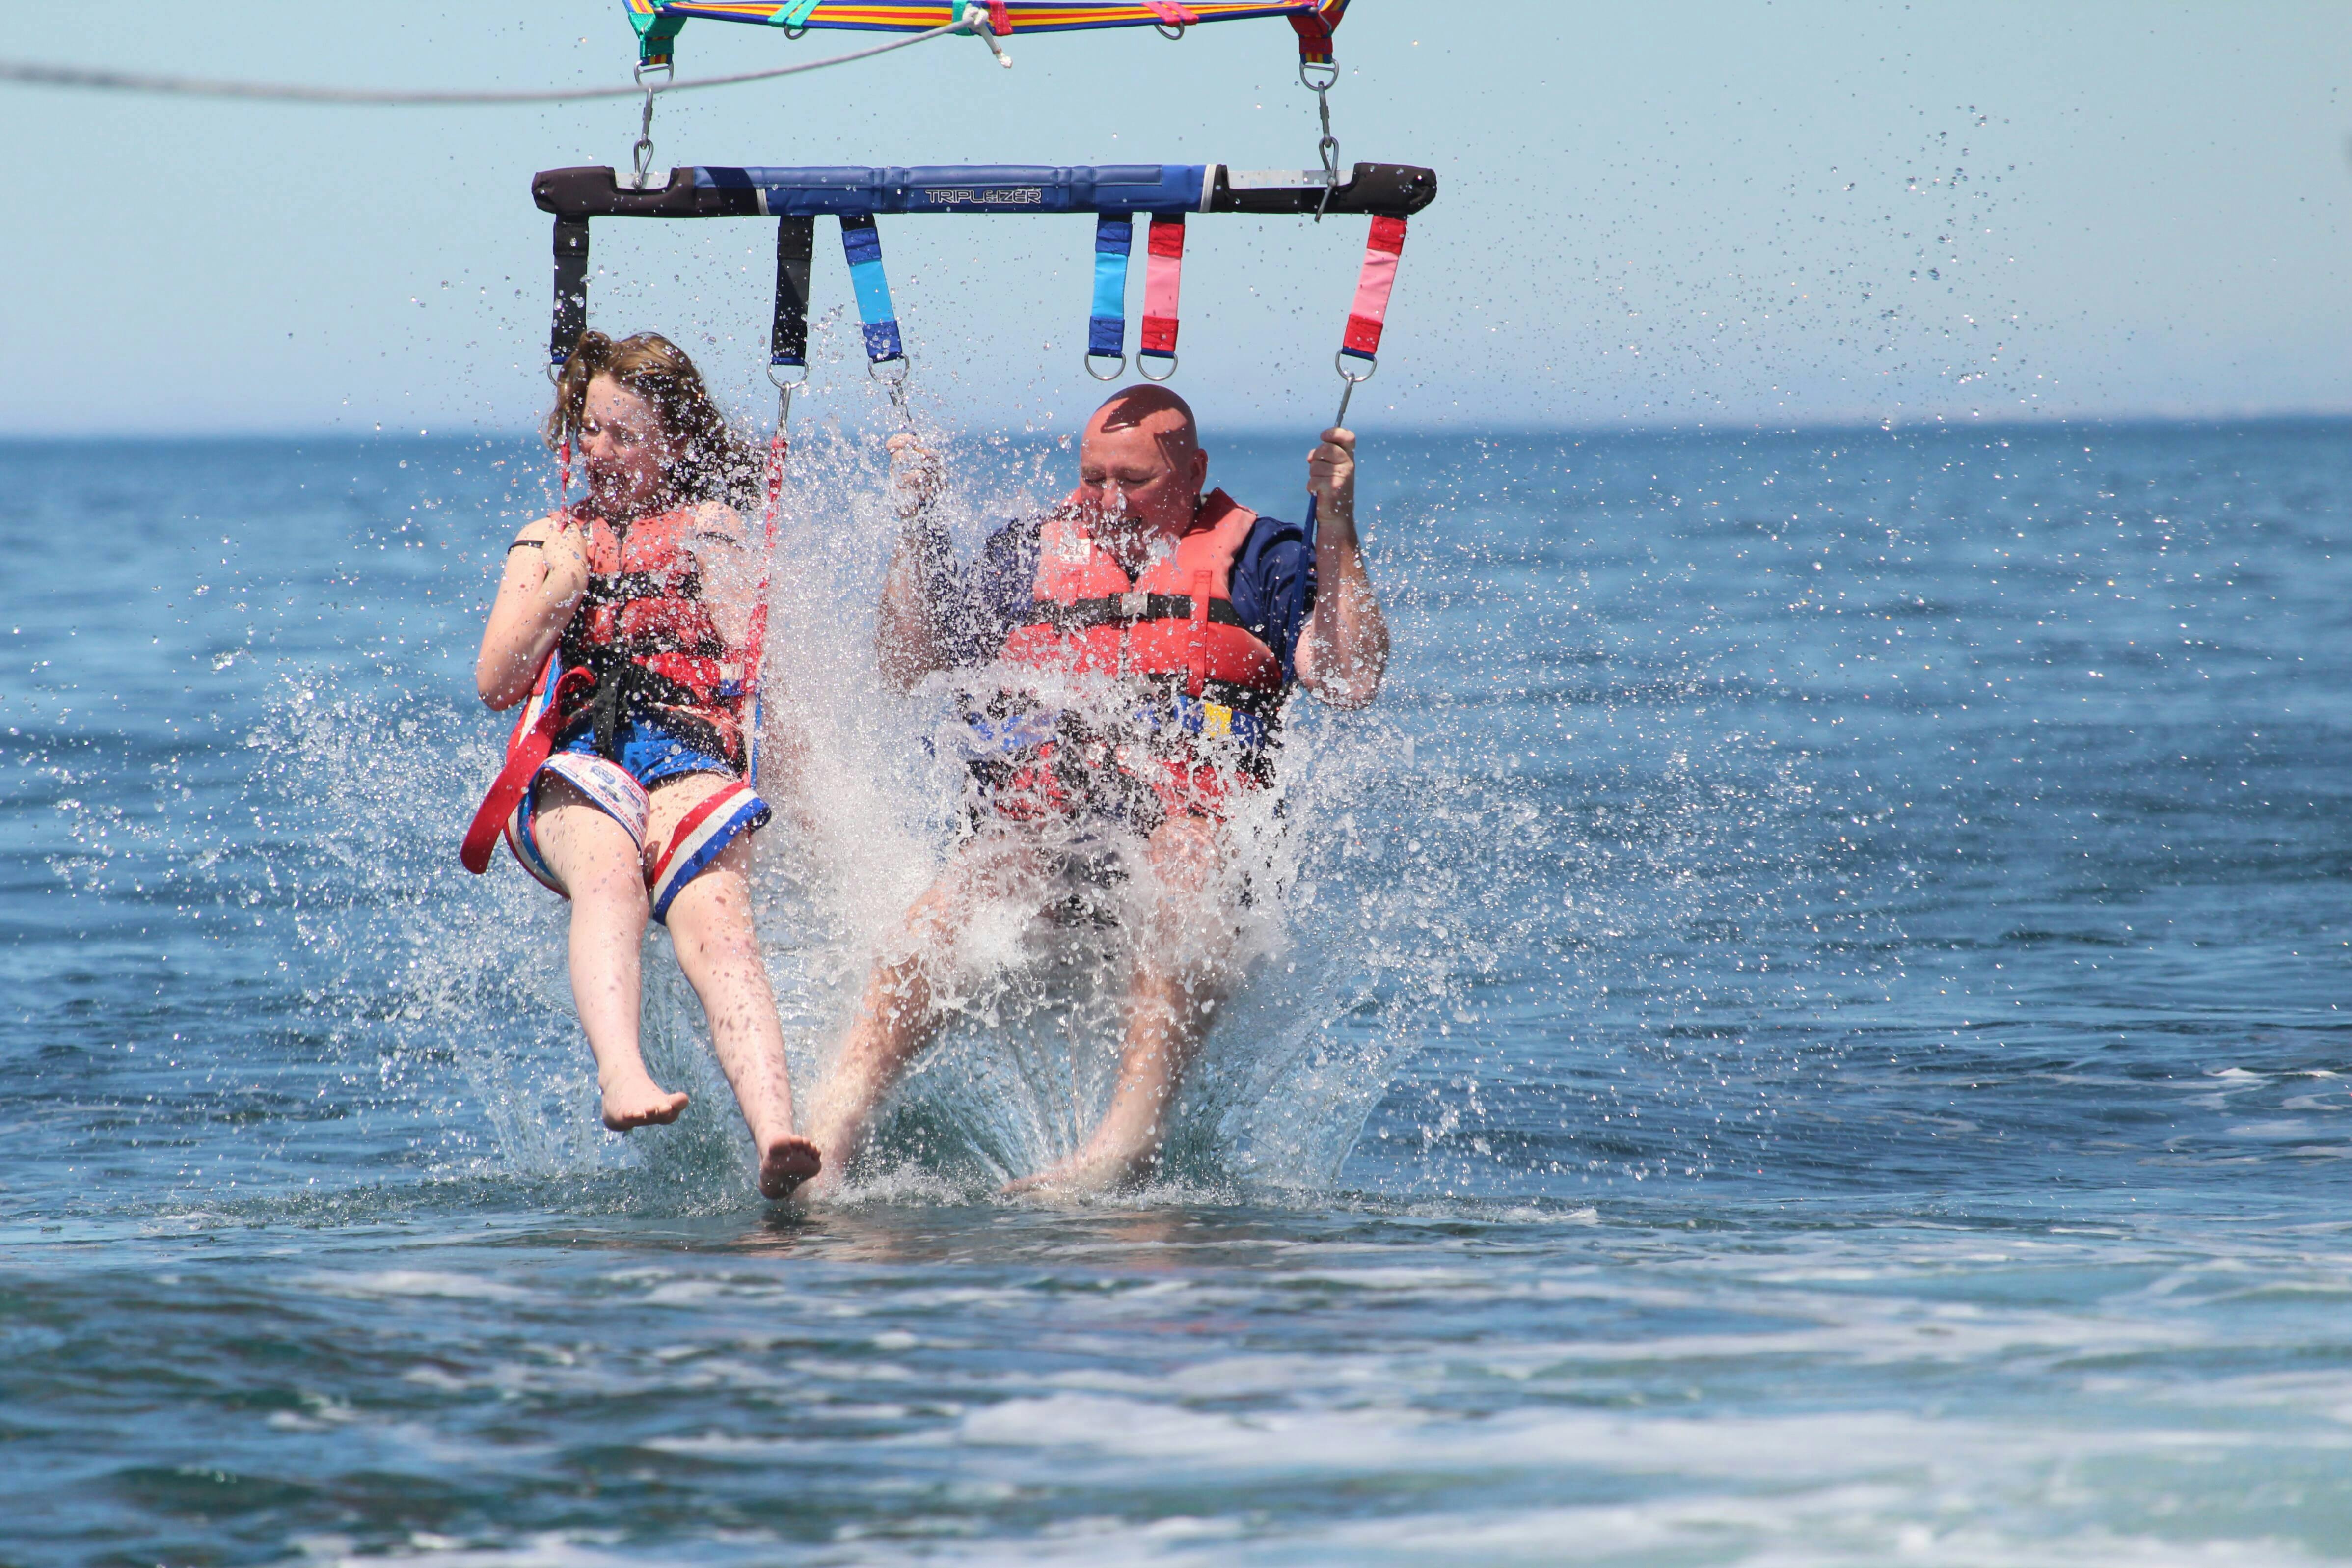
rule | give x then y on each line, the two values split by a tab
713	463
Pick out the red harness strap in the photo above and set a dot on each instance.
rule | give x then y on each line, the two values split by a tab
1315	30
1163	283
755	650
528	751
1371	311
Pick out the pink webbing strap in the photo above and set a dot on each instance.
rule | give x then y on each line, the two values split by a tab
1371	311
1164	282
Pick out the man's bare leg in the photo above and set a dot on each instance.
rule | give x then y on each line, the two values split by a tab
1182	969
599	864
718	947
900	1014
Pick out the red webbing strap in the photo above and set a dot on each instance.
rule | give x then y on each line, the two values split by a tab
1314	29
1164	282
756	644
1371	311
1173	14
1000	18
529	752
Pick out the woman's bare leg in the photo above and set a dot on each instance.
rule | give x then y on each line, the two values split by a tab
600	866
710	926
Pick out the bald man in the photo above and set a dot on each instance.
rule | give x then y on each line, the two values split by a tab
1125	659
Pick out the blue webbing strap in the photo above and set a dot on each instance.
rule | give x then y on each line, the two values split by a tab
862	247
1107	329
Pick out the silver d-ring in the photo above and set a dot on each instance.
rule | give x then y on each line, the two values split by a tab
1116	370
874	369
1339	363
1143	366
556	371
782	386
1172	31
1327	69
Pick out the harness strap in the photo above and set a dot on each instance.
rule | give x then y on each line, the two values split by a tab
1163	281
756	639
1128	609
529	753
619	587
570	317
1106	328
1369	313
1315	30
1197	649
795	248
621	685
861	243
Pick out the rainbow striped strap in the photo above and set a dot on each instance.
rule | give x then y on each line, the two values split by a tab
1369	313
1315	30
1106	328
861	243
1164	282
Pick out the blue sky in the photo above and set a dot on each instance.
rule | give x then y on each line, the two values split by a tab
1664	215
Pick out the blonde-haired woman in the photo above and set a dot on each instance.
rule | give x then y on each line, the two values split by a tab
631	610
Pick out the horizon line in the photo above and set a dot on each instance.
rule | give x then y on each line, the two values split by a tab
1834	424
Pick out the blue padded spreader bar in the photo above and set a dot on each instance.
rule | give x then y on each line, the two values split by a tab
975	188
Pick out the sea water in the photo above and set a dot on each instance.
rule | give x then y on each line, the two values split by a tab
1803	1027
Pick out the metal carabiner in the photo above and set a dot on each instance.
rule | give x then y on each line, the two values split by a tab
1324	78
895	385
785	390
641	157
1339	363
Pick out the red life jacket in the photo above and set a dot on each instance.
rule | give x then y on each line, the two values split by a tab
643	631
1215	686
1176	621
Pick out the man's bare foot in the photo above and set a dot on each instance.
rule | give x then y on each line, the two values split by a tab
1084	1174
640	1101
784	1164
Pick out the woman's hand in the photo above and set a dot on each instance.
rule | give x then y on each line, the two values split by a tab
545	577
565	554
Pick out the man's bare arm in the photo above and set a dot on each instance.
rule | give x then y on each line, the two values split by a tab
909	636
1345	649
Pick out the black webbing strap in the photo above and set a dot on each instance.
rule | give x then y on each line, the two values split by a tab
1126	609
571	288
795	244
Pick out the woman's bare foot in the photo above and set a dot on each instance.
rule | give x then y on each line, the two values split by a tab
784	1164
639	1102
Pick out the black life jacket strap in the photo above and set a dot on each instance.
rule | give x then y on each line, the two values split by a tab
1127	610
620	587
